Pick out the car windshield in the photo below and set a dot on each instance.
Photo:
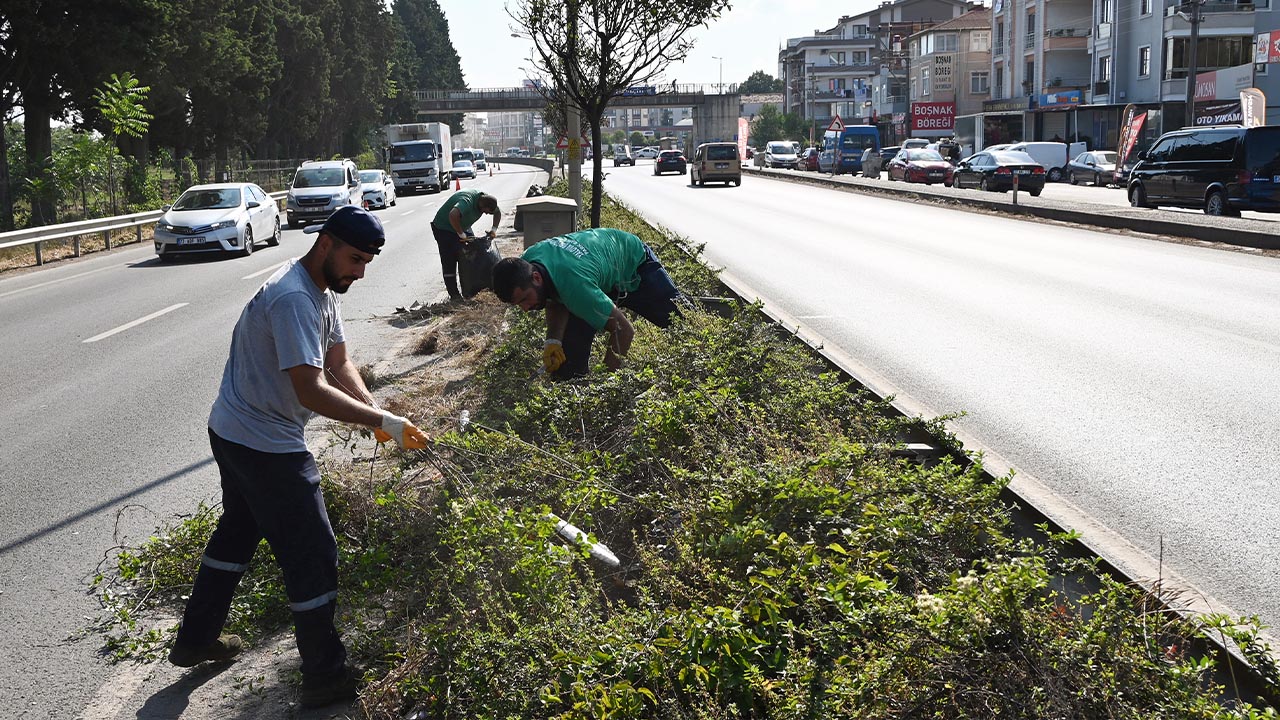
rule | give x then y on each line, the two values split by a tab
370	176
722	152
923	155
462	163
1013	157
319	177
857	142
669	154
462	155
210	199
1107	157
418	152
781	149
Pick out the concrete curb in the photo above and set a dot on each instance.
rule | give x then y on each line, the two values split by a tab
1233	231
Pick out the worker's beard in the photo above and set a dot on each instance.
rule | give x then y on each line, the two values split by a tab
332	280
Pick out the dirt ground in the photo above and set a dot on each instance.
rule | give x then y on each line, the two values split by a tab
427	374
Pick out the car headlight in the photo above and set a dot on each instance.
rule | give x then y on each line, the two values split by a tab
164	226
339	196
222	224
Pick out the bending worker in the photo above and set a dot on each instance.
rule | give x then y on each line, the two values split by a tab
288	360
452	227
583	279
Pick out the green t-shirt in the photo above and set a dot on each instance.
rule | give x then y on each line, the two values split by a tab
467	202
587	266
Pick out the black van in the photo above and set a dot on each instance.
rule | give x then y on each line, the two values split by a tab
1223	169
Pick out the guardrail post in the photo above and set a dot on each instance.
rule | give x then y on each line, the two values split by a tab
75	246
39	253
138	229
1015	188
106	238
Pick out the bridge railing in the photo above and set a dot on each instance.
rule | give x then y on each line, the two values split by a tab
523	93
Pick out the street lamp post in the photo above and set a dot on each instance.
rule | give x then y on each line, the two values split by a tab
1191	11
720	86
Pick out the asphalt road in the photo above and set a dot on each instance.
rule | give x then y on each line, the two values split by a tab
1134	378
111	365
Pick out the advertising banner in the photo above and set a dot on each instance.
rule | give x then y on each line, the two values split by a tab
933	118
1059	100
1126	123
943	66
1131	133
1224	84
1218	112
1253	108
1266	47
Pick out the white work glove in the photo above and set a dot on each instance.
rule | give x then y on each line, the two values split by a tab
552	354
405	433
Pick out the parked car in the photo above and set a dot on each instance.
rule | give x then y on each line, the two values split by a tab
779	154
998	147
648	153
1098	167
320	187
464	169
889	153
716	161
1052	156
1221	169
377	188
623	156
921	166
995	170
226	217
669	161
808	159
915	144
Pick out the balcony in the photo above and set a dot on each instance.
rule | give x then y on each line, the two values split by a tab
849	68
1029	42
1058	84
1221	17
1066	39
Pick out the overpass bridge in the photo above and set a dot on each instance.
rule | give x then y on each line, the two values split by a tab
715	107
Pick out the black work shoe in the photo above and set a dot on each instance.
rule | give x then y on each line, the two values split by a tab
342	686
226	647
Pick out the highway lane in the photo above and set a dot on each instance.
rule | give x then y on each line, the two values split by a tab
1134	378
104	433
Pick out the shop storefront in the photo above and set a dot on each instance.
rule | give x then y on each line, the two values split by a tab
1099	125
1001	121
1055	117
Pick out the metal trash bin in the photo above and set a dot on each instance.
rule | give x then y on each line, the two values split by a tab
546	216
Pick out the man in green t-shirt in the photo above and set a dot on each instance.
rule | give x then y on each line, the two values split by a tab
583	279
452	227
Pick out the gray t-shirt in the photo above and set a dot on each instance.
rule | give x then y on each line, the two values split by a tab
290	322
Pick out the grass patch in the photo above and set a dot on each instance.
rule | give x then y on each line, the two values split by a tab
780	560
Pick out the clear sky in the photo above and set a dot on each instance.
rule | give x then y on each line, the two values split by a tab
747	37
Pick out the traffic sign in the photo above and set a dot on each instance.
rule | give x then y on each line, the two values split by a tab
836	125
562	143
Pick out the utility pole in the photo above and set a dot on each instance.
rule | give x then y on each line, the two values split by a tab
1191	12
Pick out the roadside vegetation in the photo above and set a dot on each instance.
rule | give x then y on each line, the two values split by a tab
779	558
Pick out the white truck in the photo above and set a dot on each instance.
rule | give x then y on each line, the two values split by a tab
420	156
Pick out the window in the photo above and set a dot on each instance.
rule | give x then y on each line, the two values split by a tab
980	41
979	83
1144	7
999	82
859	58
1212	52
836	58
1031	31
1162	150
1000	38
946	42
1029	79
1144	61
924	82
1104	68
1104	11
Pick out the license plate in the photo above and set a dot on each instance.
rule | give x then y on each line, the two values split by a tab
190	241
1022	172
1276	179
721	166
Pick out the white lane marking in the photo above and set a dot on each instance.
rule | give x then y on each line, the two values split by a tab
69	277
264	271
406	212
135	323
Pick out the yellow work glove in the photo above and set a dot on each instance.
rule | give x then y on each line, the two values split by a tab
552	354
405	433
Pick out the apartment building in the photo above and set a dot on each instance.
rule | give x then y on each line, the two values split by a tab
950	73
1069	68
858	69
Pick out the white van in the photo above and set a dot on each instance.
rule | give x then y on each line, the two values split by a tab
1052	156
779	153
319	187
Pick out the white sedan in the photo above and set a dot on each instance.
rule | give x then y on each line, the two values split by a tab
647	152
464	169
227	217
377	189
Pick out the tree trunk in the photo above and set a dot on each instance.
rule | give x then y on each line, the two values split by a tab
6	185
597	171
39	143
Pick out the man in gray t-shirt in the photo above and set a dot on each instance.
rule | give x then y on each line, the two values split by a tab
288	361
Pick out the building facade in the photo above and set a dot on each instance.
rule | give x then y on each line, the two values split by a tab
950	73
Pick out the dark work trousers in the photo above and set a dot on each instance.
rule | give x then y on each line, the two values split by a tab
450	246
274	496
653	300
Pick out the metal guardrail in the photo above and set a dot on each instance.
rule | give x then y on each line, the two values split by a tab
39	235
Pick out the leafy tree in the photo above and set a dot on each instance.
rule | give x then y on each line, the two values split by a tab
637	138
760	82
120	100
432	64
772	124
592	49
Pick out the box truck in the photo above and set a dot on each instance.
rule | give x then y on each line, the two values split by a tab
420	156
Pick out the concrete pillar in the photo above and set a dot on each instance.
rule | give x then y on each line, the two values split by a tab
715	119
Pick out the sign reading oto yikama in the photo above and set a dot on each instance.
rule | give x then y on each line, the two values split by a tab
933	117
